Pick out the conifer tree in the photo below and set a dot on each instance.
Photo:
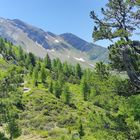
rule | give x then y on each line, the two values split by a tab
35	73
67	95
85	89
101	70
57	89
20	54
35	76
119	21
30	60
12	127
43	74
78	71
47	62
66	70
51	87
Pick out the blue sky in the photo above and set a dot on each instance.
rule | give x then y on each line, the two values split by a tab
57	16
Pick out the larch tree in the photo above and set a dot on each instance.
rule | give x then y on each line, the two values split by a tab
85	88
67	95
57	89
47	62
78	71
43	74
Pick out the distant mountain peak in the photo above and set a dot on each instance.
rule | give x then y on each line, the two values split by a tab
76	41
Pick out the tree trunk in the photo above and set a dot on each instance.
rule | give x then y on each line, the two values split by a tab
133	75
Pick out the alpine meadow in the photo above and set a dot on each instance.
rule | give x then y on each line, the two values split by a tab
61	87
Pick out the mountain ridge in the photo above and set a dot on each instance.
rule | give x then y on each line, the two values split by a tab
40	42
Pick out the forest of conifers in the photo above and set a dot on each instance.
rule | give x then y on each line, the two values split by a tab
44	99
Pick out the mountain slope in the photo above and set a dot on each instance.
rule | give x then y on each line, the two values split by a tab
40	42
95	52
77	42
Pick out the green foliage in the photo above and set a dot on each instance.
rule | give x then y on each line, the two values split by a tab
115	55
81	130
30	59
51	87
106	28
120	24
35	76
85	89
101	70
10	101
57	90
2	137
60	96
43	75
66	95
47	62
78	71
12	127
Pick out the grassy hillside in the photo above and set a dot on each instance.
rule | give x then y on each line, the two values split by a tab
50	100
3	67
